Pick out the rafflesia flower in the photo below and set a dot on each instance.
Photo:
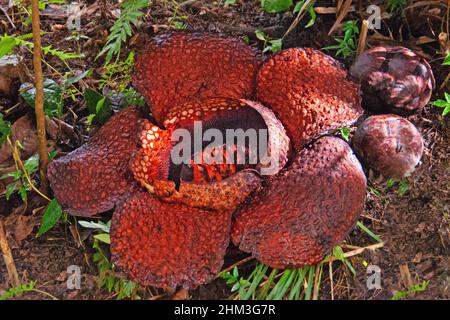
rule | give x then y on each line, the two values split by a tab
173	221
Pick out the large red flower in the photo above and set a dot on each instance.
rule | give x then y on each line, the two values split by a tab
172	222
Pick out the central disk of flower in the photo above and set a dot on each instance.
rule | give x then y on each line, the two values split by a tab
202	142
210	153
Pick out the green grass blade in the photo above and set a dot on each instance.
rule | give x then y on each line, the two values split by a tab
267	286
280	294
297	288
369	232
260	271
310	283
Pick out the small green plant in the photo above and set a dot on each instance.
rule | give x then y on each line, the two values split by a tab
5	129
395	5
310	8
24	288
178	22
402	186
227	3
446	60
346	45
98	105
103	228
17	291
132	11
345	133
420	287
276	6
8	43
232	278
444	104
117	75
22	182
273	45
122	288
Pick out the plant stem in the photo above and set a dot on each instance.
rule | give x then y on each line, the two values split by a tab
39	107
20	166
8	258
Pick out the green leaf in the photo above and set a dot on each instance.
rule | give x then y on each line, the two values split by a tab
7	44
345	133
369	232
103	237
95	225
229	2
23	192
276	6
53	103
395	5
440	103
338	253
10	189
51	217
98	106
131	12
403	188
312	13
276	45
447	60
261	35
75	79
31	164
5	129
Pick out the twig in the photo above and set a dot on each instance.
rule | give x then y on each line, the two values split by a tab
342	12
7	17
20	165
46	294
331	10
8	258
330	268
357	251
299	17
362	37
39	107
317	280
237	264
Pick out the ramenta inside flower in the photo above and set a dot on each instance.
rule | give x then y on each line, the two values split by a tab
207	141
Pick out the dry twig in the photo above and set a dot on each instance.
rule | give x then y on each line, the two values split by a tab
8	258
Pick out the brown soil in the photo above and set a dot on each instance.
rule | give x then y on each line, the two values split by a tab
415	226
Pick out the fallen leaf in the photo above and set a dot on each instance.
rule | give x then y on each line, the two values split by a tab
22	130
19	226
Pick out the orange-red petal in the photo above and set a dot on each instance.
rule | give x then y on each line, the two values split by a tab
96	176
180	66
168	245
309	92
306	209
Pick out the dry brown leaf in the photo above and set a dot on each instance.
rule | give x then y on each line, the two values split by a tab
22	130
